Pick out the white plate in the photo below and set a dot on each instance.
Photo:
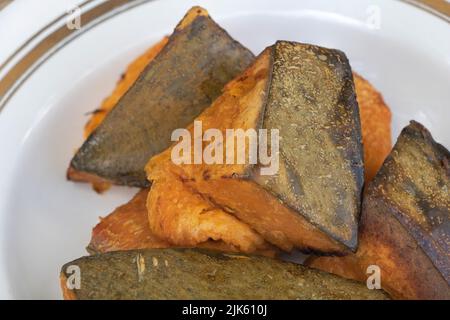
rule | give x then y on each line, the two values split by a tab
46	221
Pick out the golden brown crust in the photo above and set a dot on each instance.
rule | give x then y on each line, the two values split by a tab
185	218
127	228
98	184
283	227
375	126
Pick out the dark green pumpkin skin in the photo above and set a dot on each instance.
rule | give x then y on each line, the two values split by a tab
182	80
311	101
199	274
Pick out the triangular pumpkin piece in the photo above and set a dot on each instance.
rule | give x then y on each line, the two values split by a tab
182	80
189	274
313	202
405	223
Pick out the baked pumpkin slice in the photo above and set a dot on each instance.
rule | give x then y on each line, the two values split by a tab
185	76
199	274
405	223
313	201
127	227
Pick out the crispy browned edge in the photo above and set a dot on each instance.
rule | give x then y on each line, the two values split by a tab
375	126
407	272
112	232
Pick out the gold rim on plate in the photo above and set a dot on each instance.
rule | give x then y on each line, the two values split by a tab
92	16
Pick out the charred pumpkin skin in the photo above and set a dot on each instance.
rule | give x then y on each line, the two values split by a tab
195	274
249	101
181	81
405	225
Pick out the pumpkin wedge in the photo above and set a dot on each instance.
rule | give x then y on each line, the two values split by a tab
195	274
127	228
313	202
186	75
405	224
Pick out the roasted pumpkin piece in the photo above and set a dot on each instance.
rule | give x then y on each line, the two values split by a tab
127	228
188	73
199	274
98	115
375	117
185	218
313	201
405	224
